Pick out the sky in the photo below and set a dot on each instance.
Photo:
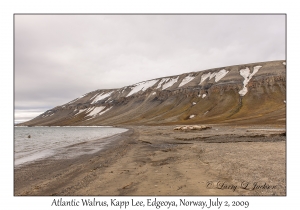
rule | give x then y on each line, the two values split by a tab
61	57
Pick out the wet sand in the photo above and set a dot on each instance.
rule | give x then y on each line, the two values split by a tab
156	160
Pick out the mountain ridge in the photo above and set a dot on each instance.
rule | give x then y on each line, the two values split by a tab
218	95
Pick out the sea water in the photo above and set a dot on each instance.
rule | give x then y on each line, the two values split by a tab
34	143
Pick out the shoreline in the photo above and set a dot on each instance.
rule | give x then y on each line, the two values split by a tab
52	164
87	146
156	160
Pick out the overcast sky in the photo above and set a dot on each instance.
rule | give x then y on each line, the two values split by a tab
61	57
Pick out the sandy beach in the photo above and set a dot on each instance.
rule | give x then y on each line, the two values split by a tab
157	160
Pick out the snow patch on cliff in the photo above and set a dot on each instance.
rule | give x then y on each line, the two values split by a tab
161	82
170	83
247	77
142	86
96	110
186	80
101	97
94	96
212	75
80	111
204	77
222	73
105	110
217	75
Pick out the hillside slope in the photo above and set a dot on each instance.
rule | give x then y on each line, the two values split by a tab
242	94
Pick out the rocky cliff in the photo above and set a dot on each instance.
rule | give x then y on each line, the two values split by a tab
242	94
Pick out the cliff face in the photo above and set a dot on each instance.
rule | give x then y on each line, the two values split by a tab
242	94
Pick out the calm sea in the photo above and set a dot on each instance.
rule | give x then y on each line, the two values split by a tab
59	142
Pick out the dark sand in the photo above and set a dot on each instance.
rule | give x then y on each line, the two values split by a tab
156	160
